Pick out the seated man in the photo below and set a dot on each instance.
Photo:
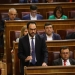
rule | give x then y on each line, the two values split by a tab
49	34
28	1
64	59
12	14
33	14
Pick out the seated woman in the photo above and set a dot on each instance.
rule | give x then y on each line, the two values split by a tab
58	13
24	32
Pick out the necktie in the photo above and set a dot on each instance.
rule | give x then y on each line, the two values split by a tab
64	62
33	51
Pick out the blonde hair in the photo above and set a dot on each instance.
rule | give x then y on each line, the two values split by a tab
22	31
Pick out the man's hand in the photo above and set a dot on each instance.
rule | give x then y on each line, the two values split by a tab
44	64
28	58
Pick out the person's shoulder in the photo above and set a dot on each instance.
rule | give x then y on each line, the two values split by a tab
56	34
51	17
39	15
36	1
70	35
26	16
17	18
39	36
64	17
72	59
57	60
23	37
5	19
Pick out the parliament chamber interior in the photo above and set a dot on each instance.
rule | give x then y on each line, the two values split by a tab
9	61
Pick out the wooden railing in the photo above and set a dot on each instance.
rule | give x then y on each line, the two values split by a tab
50	70
67	6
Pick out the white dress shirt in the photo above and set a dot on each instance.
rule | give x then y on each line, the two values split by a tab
33	18
67	62
49	38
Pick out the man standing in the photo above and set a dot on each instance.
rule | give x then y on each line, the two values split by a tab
32	50
64	59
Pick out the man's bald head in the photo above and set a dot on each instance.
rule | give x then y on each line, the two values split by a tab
12	13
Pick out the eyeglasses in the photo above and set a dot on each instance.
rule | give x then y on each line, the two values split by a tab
65	53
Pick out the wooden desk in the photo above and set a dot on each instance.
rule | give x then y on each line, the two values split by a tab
50	70
43	8
51	45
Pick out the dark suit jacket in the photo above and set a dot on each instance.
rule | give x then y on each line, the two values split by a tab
27	17
25	1
59	61
9	19
40	49
71	36
55	36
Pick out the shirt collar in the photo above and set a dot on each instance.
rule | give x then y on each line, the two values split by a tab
66	60
31	37
32	16
49	36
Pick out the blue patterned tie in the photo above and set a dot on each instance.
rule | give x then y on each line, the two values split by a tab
33	51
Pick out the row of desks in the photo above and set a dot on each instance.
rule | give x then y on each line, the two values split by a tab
43	8
50	70
16	25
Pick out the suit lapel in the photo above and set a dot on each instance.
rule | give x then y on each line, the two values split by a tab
36	40
27	44
60	61
70	61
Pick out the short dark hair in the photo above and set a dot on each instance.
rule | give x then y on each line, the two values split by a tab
30	22
64	47
58	8
47	24
33	7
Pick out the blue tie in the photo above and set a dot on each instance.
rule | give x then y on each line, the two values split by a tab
33	51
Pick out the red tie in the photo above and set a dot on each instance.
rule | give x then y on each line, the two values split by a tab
64	62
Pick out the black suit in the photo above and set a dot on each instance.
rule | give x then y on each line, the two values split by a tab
40	50
59	62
